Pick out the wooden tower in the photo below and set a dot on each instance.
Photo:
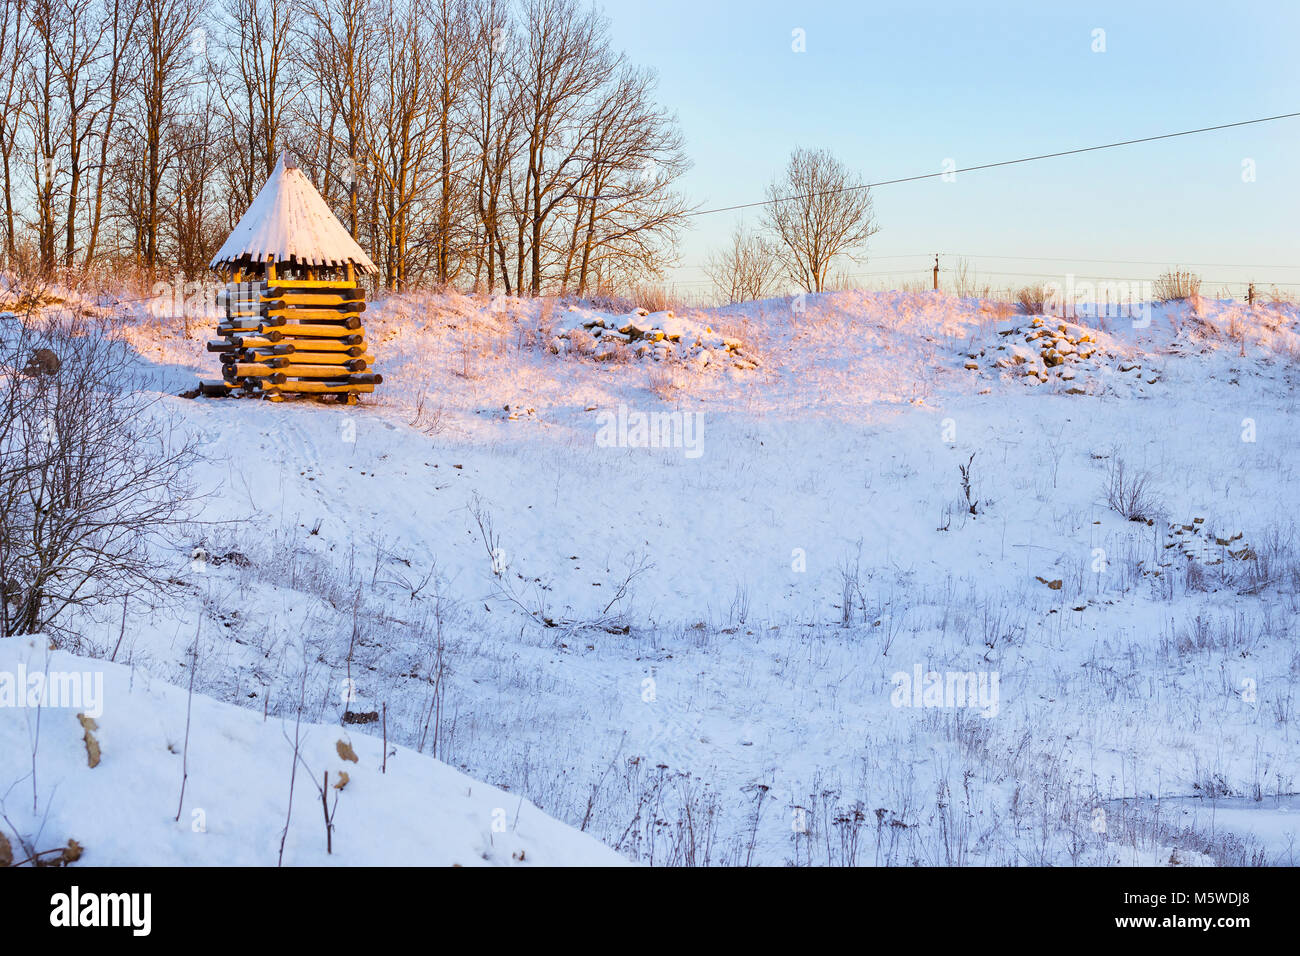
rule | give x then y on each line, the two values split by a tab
291	305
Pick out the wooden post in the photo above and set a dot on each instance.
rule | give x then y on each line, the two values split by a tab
1250	294
936	272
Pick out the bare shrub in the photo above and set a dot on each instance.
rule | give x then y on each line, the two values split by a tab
744	271
1176	286
965	280
1129	492
655	298
1032	299
92	478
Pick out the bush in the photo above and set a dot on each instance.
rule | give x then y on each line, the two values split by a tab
1129	492
1175	286
1031	299
90	477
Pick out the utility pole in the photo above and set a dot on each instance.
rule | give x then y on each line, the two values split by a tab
936	272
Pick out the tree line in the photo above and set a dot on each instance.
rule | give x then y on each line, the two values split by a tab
502	145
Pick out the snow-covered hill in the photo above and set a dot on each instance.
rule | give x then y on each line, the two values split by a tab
696	657
411	810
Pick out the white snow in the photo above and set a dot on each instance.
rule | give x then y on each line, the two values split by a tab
415	812
290	221
703	670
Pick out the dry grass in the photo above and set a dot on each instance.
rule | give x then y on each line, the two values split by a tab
665	382
1031	299
655	298
1176	286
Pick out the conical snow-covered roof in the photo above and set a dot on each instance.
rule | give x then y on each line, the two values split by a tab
290	222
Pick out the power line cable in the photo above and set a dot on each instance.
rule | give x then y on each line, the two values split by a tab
1005	162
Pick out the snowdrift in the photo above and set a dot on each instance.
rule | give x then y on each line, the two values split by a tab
122	811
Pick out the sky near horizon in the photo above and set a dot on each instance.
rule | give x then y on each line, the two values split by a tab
896	88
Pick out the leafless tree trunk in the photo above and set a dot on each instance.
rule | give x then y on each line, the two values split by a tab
819	212
745	270
14	34
92	478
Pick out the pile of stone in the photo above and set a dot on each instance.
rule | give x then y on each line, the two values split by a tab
656	336
1206	547
1042	350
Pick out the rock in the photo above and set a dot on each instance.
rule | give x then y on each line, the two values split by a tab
973	366
43	362
556	345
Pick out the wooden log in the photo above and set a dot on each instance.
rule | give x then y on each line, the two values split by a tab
315	284
315	317
323	388
238	325
257	341
246	358
282	317
297	370
254	370
329	345
291	297
332	358
304	330
316	313
221	345
212	389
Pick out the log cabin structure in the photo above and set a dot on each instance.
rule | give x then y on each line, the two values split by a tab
290	309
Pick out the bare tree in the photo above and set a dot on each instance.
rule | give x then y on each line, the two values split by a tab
563	60
461	140
121	69
628	214
92	477
819	211
341	65
401	132
258	87
493	128
745	270
167	79
451	25
14	35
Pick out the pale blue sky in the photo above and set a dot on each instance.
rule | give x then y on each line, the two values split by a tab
895	88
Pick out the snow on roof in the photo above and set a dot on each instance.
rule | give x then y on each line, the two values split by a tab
290	221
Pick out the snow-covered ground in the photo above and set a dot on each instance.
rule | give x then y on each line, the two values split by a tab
136	772
703	652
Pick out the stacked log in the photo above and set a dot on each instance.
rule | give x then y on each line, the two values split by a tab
292	337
